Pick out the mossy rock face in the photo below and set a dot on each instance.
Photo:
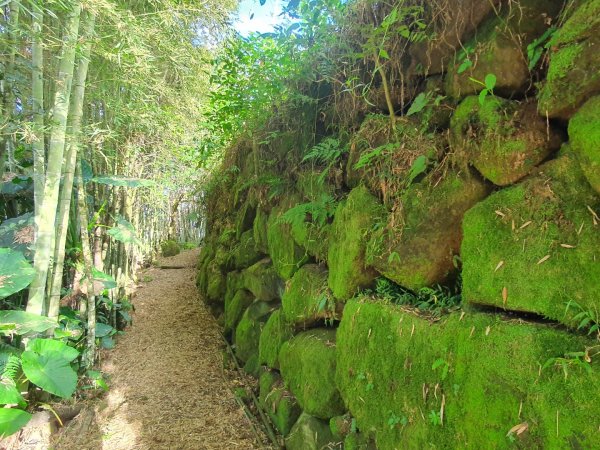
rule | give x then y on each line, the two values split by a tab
227	237
503	139
245	219
354	218
170	248
275	332
235	307
223	257
395	370
260	230
245	253
500	48
358	441
262	280
584	134
311	433
307	363
306	299
281	406
235	282
341	426
216	284
448	30
247	333
419	249
287	256
537	243
382	156
574	69
312	237
312	185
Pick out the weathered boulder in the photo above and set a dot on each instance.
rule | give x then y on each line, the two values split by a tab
307	299
260	230
247	333
307	363
419	248
216	284
281	406
453	24
245	253
234	309
311	433
500	48
464	381
262	280
584	135
287	256
503	139
354	219
534	247
275	332
574	69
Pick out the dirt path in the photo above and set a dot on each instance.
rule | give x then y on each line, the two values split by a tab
167	386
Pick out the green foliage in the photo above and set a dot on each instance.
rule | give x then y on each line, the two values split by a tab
23	323
15	272
488	84
328	152
12	420
170	248
319	212
124	232
119	180
536	49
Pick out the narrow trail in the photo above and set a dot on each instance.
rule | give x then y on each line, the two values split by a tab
167	386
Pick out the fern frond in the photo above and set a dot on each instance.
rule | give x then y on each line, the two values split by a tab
12	367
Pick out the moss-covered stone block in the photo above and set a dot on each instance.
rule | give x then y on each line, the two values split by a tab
170	248
574	68
234	309
247	333
358	441
312	185
262	280
306	299
307	363
287	256
311	433
353	221
216	284
420	248
235	282
245	218
245	253
534	247
464	381
281	406
584	135
500	48
312	237
260	230
275	332
503	139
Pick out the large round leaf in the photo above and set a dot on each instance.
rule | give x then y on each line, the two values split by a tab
15	272
9	394
22	322
12	420
46	363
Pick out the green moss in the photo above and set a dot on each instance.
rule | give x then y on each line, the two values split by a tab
235	307
396	370
306	300
275	332
170	248
252	366
340	426
247	333
573	75
227	237
503	139
287	256
313	237
310	433
281	406
245	219
235	282
354	219
216	284
260	230
358	441
307	363
543	233
584	134
245	253
312	187
419	249
262	280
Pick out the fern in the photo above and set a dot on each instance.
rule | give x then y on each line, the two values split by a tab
327	152
12	367
367	158
319	212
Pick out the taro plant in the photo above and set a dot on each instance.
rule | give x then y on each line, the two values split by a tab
488	84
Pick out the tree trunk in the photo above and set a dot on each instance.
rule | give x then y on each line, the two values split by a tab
44	245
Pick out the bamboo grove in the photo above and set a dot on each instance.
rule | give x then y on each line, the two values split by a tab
101	106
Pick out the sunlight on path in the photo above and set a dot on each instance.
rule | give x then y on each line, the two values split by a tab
168	390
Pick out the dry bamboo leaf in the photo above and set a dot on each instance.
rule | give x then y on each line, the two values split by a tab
526	224
544	259
518	429
567	246
595	217
504	295
500	264
487	330
513	225
500	213
462	314
580	229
